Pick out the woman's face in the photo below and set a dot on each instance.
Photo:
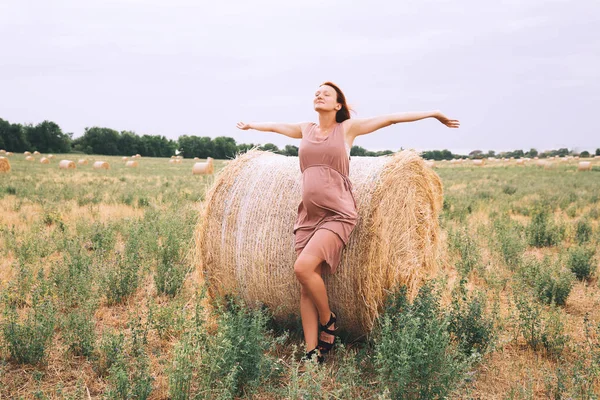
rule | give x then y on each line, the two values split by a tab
326	99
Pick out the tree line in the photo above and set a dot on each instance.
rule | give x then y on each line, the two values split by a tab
48	137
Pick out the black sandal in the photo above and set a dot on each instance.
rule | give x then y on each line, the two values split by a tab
308	356
323	346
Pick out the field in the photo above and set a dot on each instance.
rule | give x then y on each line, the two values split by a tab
100	298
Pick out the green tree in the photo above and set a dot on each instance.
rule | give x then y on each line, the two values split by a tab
13	137
598	152
532	153
270	147
128	143
584	154
358	151
224	147
47	137
290	150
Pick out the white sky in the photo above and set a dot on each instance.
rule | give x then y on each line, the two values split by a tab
517	74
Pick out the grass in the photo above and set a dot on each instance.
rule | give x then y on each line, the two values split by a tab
99	295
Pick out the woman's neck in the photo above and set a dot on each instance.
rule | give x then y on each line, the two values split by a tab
326	121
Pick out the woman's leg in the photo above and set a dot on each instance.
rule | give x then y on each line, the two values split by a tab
310	317
308	272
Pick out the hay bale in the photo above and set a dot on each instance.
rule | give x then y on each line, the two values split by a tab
26	153
131	164
174	161
82	161
29	158
50	156
138	156
2	151
67	164
584	166
430	163
196	158
204	168
478	163
520	161
4	164
9	153
125	158
245	243
44	160
36	153
101	165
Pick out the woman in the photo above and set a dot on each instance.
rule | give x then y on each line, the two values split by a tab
327	213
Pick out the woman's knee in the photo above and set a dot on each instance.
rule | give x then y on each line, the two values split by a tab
305	266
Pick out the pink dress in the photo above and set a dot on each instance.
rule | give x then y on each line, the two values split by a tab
327	213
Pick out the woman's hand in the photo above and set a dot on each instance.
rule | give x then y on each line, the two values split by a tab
243	126
450	123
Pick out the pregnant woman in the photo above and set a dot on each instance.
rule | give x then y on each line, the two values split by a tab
327	213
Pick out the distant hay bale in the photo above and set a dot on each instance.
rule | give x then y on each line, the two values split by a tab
584	166
67	164
36	153
179	157
173	157
82	161
430	163
520	161
204	168
29	158
44	160
138	156
2	151
196	158
125	158
174	161
9	153
245	244
26	153
131	164
101	165
50	156
478	163
4	164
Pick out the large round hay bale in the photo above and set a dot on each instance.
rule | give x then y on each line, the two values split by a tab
82	161
26	153
2	151
36	153
29	158
131	164
44	160
67	164
101	165
203	168
245	241
4	164
125	158
9	153
584	166
478	163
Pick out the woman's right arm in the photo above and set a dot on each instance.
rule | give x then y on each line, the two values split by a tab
291	130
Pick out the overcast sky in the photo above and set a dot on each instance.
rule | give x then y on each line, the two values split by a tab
517	74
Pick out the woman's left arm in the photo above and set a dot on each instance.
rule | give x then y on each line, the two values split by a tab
362	126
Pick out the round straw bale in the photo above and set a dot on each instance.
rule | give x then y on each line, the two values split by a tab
9	153
101	165
430	163
26	153
584	166
50	156
138	156
36	153
520	161
66	164
4	164
245	241
203	168
196	158
478	163
29	158
131	164
44	160
2	151
82	161
125	158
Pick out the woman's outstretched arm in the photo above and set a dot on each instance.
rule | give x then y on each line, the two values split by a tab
362	126
291	130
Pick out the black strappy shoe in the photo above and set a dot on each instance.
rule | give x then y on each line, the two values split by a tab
323	346
308	356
